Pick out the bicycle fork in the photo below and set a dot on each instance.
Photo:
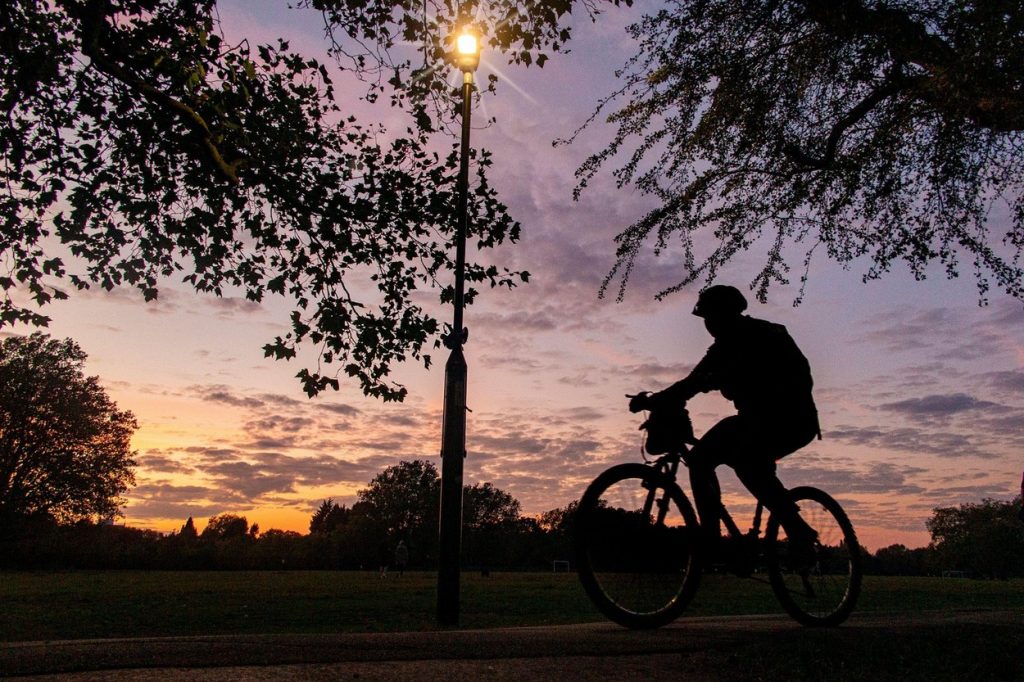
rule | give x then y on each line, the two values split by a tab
669	469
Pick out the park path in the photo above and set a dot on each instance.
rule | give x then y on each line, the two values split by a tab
933	645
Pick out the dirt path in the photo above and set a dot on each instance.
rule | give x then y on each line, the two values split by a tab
934	645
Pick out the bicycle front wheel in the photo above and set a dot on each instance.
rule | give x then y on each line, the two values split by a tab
819	588
636	541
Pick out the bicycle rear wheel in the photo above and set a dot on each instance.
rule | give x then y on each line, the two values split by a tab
636	541
820	589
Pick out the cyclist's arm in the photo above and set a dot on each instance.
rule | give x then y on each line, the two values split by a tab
700	380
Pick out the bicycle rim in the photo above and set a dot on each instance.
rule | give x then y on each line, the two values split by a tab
821	590
639	571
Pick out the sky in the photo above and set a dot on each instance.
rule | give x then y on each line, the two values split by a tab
920	389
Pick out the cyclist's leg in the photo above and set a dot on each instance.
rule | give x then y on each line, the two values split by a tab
702	460
756	469
761	480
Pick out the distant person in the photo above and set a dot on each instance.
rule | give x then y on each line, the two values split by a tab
401	557
383	558
758	366
1020	512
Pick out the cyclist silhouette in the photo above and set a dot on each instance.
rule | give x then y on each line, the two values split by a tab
758	366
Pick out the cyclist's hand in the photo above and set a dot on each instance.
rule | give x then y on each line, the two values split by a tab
640	401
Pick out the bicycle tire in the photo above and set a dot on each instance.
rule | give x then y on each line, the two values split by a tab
822	591
639	573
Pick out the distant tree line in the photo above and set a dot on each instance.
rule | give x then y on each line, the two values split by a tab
984	540
400	504
975	540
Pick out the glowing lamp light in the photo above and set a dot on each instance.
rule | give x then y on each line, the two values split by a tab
467	51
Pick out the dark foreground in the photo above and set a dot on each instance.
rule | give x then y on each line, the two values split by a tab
932	645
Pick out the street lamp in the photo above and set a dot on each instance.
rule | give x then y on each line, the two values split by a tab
453	430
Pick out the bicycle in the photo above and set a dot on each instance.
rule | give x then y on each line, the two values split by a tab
640	555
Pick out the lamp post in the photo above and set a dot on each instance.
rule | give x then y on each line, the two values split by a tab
453	430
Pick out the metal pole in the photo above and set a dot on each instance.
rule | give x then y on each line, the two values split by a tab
453	432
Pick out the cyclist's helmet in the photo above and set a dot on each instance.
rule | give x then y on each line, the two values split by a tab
720	301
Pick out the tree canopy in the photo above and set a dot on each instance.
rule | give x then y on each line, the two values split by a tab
873	131
328	517
227	526
984	538
139	143
404	498
65	447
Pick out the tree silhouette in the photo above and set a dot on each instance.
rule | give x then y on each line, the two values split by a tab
328	517
985	538
188	531
485	506
866	130
65	447
404	499
147	146
226	527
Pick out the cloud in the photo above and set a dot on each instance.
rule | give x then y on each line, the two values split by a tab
839	478
287	424
1009	381
252	480
402	420
938	331
659	373
939	405
522	320
252	476
340	408
227	307
584	413
153	461
281	400
163	499
224	395
908	439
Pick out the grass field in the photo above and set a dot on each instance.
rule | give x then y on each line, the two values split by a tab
99	604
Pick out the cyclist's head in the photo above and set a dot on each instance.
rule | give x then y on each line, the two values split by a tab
720	302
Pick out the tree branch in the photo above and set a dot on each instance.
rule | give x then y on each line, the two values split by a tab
94	31
862	109
906	39
949	86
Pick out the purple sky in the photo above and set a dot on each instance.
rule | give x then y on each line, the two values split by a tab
921	391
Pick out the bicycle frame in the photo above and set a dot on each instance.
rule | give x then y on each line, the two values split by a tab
668	465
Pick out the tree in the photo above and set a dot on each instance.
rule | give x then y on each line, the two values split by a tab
492	526
147	145
560	520
899	560
65	447
188	531
328	517
484	506
871	130
226	527
404	499
984	538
